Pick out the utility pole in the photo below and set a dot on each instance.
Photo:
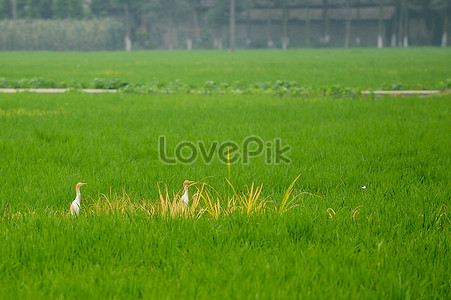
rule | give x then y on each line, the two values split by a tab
232	25
128	33
14	9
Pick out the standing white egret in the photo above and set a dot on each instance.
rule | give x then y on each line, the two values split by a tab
75	206
185	197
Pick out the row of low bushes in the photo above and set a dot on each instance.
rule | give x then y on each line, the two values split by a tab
62	35
277	88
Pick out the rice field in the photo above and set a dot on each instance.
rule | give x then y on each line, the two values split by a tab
360	208
413	68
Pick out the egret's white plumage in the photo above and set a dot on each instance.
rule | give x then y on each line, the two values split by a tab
185	198
75	206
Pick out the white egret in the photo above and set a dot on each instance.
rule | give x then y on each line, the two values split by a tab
185	197
75	206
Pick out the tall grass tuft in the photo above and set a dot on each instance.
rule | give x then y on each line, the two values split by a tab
288	201
205	202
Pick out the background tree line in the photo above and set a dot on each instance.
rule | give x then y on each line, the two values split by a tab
200	23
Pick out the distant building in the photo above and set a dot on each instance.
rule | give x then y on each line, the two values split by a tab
332	23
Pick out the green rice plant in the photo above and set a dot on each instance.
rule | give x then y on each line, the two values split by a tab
368	218
259	70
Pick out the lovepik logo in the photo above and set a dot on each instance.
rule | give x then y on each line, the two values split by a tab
187	152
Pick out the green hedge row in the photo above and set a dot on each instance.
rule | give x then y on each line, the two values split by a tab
276	88
62	35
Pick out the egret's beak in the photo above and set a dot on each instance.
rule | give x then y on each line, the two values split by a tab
83	183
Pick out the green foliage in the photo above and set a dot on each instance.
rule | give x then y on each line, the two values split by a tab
33	9
281	88
22	8
60	9
75	9
278	88
445	85
99	7
61	35
211	16
5	9
45	9
108	84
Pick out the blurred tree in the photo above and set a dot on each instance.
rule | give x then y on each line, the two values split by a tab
248	5
217	15
74	9
171	13
195	7
269	4
14	9
380	26
358	5
306	4
421	10
21	11
326	21
404	23
400	24
347	5
443	8
5	9
32	9
351	6
190	21
232	26
60	9
127	10
100	7
45	9
285	19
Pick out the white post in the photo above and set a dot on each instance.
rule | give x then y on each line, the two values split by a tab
232	26
285	42
393	40
128	44
326	39
380	43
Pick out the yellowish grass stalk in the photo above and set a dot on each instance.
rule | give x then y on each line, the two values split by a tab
331	212
205	201
286	204
229	171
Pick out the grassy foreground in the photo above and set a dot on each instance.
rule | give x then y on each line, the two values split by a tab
390	240
299	255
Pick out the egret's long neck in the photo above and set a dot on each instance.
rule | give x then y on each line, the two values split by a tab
186	190
78	195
